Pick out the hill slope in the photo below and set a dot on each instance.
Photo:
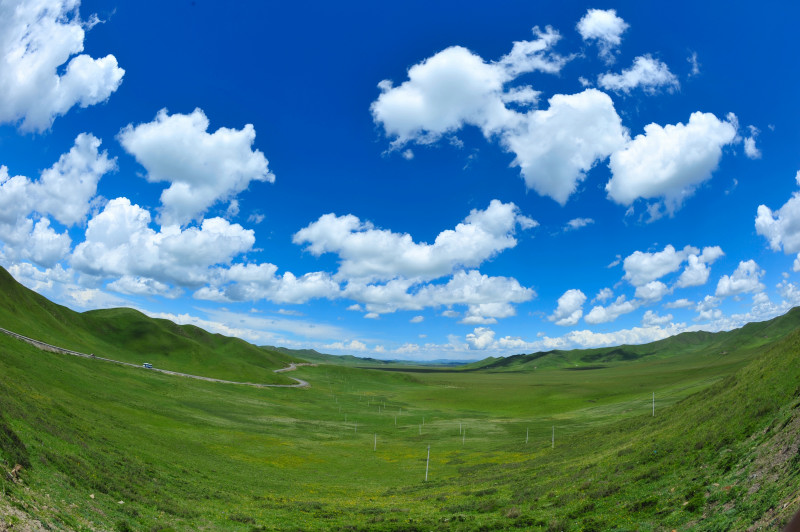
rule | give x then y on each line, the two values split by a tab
738	342
192	455
130	336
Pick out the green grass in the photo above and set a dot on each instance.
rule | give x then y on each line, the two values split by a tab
130	336
720	454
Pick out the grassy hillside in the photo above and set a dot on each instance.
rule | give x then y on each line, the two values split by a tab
114	448
109	447
737	342
130	336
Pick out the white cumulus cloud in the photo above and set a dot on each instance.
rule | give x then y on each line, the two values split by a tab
367	253
586	339
647	73
603	295
669	162
456	87
45	246
143	286
487	298
679	303
652	291
604	28
255	282
697	271
641	268
555	147
620	306
652	319
744	279
202	168
64	192
120	242
38	80
750	148
782	227
570	308
480	338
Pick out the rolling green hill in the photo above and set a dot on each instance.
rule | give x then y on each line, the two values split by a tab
738	342
107	447
128	335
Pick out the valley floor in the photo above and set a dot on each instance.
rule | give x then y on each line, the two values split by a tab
110	447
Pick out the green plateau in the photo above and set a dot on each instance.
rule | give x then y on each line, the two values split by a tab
699	431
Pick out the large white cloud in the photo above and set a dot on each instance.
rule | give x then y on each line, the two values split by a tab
570	308
697	271
45	246
37	38
782	227
368	253
202	168
120	242
480	338
603	27
254	282
586	339
555	147
641	268
66	189
744	279
652	291
669	162
487	298
444	92
620	306
64	192
455	87
648	73
654	328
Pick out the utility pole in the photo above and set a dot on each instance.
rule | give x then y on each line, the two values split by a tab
427	463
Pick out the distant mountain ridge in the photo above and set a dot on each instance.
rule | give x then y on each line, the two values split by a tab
746	338
134	337
312	355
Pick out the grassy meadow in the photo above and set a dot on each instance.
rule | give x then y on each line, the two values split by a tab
107	447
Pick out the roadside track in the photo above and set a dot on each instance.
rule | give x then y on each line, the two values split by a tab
55	349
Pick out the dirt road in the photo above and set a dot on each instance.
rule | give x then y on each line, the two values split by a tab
55	349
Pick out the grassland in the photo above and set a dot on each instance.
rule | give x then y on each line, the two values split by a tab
114	448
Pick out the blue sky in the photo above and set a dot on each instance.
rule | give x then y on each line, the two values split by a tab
421	181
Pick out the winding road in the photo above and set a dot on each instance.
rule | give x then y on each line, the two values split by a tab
55	349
